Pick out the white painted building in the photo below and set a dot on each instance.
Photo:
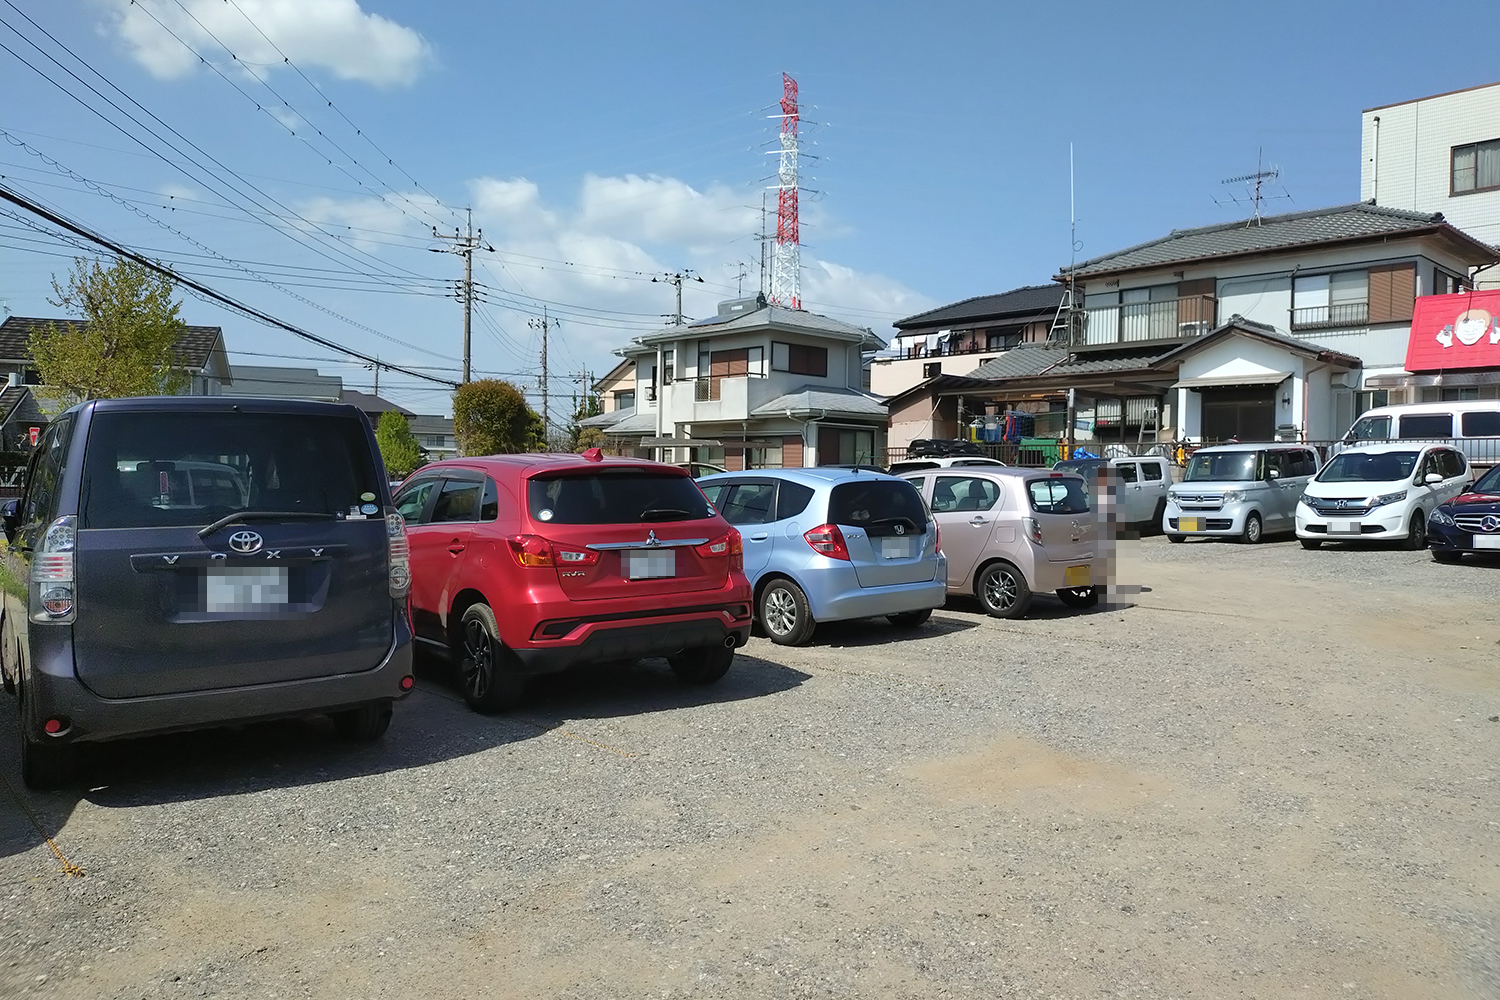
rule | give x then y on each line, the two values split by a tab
755	386
1438	154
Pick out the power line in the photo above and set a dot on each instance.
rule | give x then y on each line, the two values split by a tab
203	290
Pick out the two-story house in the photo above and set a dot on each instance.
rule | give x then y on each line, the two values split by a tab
754	386
1287	326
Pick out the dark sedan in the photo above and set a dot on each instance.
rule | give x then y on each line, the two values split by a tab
1470	522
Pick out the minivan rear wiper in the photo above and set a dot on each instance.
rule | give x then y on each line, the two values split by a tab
264	515
665	514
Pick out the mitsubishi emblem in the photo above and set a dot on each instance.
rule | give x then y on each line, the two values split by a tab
245	542
652	540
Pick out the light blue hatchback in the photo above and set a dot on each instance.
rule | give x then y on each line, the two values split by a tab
830	544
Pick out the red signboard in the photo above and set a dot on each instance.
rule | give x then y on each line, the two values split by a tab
34	433
1455	331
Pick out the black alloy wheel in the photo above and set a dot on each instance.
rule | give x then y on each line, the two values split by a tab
490	681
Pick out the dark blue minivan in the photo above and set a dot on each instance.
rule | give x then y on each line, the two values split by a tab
181	562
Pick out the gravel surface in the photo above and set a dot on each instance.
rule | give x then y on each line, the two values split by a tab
1269	773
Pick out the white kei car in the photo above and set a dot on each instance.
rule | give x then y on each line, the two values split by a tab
1380	492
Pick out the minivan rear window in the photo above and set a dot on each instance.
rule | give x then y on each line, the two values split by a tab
616	496
1481	423
180	467
878	505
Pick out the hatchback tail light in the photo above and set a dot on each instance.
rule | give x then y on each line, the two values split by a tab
730	545
398	554
52	573
828	540
1033	529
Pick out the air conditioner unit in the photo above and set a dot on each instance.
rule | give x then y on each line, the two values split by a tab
1343	380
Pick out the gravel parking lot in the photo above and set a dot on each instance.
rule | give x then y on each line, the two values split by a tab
1270	773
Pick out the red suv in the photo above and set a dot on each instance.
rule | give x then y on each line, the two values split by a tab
530	564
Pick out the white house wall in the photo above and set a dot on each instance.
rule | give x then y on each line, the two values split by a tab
1416	141
888	376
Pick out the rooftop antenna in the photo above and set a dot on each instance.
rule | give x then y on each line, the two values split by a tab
1067	325
1255	184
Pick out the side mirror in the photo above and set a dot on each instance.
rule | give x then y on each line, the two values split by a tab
1273	474
10	515
1432	477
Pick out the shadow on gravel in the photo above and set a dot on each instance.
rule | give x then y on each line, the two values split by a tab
432	725
878	632
1044	608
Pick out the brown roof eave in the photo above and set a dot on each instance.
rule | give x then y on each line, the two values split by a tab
1486	252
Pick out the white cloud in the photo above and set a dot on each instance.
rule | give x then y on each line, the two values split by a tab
336	35
665	210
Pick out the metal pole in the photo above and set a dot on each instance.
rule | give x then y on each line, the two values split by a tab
546	408
678	282
468	290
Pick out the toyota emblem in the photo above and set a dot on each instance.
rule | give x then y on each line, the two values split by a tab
900	529
245	542
1490	522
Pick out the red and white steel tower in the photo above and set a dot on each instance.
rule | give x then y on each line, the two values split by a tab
786	259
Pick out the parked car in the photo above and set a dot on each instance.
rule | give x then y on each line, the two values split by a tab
830	544
942	448
700	469
858	467
531	564
1141	484
1472	426
1239	491
919	464
1012	533
1378	492
191	561
1469	522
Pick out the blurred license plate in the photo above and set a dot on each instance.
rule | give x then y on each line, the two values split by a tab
1344	528
650	564
898	548
1486	542
246	588
1190	523
1076	576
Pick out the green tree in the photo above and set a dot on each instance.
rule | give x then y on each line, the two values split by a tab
126	345
398	445
490	417
589	405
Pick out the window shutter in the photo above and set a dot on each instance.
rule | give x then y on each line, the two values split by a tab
791	452
828	445
1393	292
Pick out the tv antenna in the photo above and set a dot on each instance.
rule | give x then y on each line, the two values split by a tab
1255	185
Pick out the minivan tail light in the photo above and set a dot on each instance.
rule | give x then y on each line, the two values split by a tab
52	597
398	555
828	540
1033	529
937	537
530	551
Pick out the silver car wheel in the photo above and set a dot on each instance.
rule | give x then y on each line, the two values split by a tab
1000	590
780	611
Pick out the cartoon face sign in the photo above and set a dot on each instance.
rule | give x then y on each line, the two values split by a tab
1471	326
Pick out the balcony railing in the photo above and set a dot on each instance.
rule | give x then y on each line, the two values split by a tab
706	388
1338	314
1159	319
960	348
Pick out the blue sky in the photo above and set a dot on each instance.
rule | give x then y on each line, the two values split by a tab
599	144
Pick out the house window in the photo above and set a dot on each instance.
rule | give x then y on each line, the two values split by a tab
799	359
1444	283
1476	167
932	369
1003	340
666	367
625	400
437	441
763	457
1322	300
1369	399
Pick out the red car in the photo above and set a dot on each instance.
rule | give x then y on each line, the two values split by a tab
531	564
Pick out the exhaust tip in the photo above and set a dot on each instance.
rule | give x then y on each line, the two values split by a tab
730	641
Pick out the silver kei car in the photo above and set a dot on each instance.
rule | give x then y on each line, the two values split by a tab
1243	491
829	544
1011	533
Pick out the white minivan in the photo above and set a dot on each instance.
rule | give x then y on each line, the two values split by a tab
1471	425
1380	492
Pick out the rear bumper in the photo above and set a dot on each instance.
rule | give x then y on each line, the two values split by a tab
1046	577
871	602
95	719
598	642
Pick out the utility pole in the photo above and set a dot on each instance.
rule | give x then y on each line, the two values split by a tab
544	324
677	278
464	244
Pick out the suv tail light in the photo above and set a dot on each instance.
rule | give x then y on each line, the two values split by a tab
828	540
530	551
731	545
1033	529
52	572
398	555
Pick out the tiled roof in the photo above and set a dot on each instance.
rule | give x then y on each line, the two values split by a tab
608	419
816	398
1360	220
10	398
1259	331
1088	364
194	347
790	320
634	423
1018	304
1020	361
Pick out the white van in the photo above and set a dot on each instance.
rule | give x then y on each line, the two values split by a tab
1472	426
